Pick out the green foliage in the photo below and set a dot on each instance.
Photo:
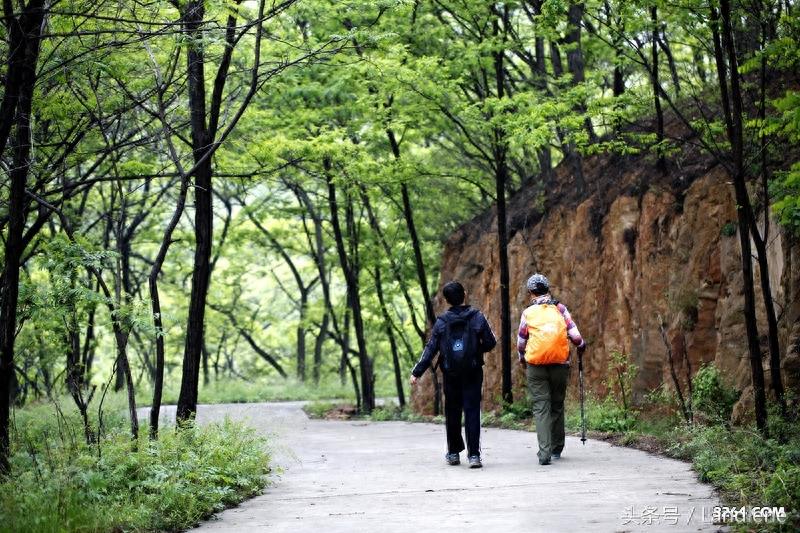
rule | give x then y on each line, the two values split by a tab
749	469
319	409
520	409
711	396
605	415
786	187
62	484
621	373
728	229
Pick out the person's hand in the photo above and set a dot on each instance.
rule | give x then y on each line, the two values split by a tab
523	363
581	349
414	379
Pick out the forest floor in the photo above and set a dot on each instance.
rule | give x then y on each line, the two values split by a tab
347	476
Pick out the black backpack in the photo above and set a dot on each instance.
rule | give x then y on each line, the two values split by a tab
459	343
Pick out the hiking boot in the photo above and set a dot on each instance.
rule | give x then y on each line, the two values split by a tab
544	462
475	461
556	456
452	459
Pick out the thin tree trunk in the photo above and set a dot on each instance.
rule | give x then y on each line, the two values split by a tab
301	336
662	164
322	334
575	61
673	69
761	241
345	333
501	180
732	106
394	266
351	279
687	415
156	267
205	364
398	377
408	215
302	288
318	252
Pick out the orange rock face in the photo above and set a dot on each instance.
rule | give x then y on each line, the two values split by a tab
622	258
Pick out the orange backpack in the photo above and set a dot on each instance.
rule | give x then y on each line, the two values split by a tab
547	335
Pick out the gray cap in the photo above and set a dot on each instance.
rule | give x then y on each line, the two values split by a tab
538	284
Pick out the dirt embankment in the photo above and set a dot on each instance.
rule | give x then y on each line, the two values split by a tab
633	245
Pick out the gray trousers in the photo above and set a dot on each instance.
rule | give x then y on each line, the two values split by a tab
547	388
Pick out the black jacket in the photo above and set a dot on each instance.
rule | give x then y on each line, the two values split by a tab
486	339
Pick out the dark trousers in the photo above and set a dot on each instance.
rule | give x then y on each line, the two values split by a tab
547	387
462	393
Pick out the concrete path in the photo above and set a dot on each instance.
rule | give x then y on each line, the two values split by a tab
342	476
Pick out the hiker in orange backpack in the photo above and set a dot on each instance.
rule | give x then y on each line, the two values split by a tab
543	345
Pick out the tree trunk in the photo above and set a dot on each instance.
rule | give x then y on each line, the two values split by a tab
394	266
501	180
349	268
203	219
398	376
762	240
662	164
23	52
408	215
204	354
155	305
301	336
322	334
318	252
121	338
673	68
732	107
575	62
302	288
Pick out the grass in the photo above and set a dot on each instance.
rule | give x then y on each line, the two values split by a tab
60	483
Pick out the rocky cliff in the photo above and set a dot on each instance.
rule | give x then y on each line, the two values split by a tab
637	247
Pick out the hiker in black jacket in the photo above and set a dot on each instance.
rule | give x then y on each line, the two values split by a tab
461	335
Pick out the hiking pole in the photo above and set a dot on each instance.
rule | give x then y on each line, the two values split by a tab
583	416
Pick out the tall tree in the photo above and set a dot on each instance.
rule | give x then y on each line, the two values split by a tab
350	269
25	30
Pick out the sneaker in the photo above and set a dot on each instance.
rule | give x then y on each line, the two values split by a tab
544	462
556	456
475	461
452	459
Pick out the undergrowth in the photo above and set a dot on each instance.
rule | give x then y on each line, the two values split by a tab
61	483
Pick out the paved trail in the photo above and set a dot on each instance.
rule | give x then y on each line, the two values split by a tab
341	476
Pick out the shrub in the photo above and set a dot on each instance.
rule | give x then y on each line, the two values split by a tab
610	416
318	409
519	410
728	229
62	484
749	469
619	380
711	397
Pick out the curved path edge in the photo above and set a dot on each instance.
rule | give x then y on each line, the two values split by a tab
352	476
